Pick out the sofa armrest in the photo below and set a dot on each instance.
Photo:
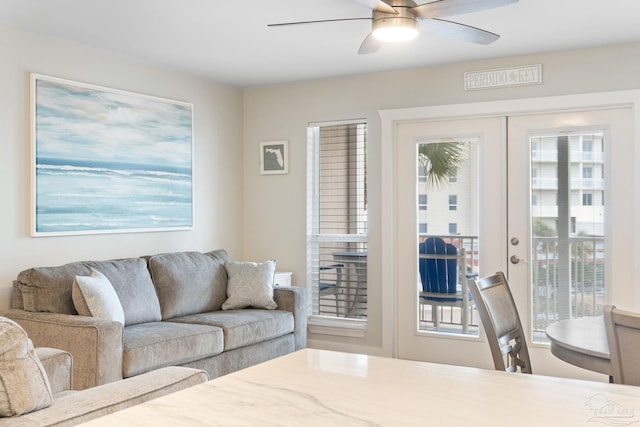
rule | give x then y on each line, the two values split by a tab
294	299
58	365
95	345
82	406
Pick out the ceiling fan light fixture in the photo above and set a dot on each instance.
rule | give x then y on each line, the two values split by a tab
395	29
395	34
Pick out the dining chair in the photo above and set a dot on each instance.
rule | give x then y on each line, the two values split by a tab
330	283
501	323
443	278
623	336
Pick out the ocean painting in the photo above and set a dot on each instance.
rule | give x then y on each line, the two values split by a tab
108	161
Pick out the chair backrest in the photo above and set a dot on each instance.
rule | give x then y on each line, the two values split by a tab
330	276
623	336
438	275
501	323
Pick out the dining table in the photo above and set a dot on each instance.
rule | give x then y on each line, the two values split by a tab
318	388
581	342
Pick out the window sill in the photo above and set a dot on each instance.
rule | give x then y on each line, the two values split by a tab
323	325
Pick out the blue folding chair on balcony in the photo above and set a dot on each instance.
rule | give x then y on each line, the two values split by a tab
444	279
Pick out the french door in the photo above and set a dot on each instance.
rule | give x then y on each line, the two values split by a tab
544	192
475	223
570	246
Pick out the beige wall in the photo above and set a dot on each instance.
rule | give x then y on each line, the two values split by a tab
253	216
275	218
217	147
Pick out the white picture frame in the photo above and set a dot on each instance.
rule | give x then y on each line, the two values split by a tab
108	161
274	157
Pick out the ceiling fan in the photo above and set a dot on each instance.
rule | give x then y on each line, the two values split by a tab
402	20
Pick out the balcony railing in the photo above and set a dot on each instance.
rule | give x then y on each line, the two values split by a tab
561	292
468	243
341	277
576	183
557	293
577	156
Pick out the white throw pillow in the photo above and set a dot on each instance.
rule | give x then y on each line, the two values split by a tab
94	296
24	386
250	285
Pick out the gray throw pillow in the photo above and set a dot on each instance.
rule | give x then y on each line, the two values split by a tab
24	386
94	296
250	285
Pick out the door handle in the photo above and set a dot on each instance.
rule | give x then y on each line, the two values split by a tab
515	259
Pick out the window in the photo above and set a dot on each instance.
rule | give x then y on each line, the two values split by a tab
453	228
587	147
422	173
337	219
422	202
587	199
453	202
587	177
423	228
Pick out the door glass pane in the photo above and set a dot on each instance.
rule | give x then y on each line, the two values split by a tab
567	225
448	252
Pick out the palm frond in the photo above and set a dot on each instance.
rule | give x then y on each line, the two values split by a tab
441	160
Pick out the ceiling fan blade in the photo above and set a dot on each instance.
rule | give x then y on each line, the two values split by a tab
283	24
370	45
440	8
458	31
378	6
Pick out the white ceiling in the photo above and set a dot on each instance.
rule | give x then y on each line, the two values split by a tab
229	42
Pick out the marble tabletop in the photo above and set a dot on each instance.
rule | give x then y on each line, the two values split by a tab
321	388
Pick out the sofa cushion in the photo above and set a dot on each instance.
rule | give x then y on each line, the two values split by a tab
94	296
49	288
244	327
24	386
153	345
250	285
188	282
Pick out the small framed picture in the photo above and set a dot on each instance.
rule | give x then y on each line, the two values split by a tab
274	157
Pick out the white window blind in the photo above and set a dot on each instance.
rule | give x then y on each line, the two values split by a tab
337	219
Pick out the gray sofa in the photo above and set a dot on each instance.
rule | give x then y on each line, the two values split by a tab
173	316
69	408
